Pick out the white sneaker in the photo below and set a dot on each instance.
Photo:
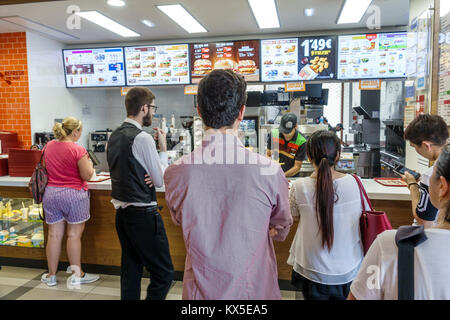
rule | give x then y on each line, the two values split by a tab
87	278
69	269
50	281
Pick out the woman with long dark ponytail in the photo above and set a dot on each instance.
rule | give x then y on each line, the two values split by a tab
326	252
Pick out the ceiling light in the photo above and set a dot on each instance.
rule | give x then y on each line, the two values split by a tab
265	12
178	14
35	26
309	12
148	23
353	11
105	22
116	3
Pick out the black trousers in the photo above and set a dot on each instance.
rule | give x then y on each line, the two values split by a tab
317	291
144	244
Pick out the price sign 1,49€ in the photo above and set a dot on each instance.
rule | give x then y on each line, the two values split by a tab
317	58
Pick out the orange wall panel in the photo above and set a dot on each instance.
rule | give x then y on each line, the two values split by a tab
14	97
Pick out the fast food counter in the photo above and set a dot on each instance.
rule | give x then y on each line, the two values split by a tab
101	248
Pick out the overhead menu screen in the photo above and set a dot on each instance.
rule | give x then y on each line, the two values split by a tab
157	65
279	60
99	67
365	56
240	56
317	58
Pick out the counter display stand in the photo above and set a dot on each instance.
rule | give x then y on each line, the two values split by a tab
20	223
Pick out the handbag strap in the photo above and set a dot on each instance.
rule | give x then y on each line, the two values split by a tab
363	194
42	155
406	238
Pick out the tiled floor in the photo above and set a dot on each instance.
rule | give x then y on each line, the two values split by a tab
24	284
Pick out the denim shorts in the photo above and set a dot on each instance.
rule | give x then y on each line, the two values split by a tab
66	204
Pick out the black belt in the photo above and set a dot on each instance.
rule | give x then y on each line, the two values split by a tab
147	208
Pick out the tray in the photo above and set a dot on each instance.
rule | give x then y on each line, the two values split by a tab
391	182
99	179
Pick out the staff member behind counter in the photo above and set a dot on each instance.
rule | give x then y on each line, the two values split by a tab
291	145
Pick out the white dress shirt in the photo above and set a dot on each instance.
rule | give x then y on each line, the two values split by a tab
144	150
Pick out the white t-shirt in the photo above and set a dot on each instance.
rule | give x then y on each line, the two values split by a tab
377	278
307	256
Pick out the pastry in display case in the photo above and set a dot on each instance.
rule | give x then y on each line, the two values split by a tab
21	223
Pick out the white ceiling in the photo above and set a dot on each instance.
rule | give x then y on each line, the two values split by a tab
219	17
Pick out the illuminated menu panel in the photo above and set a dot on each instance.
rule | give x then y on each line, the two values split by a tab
240	56
317	58
279	60
157	65
365	56
99	67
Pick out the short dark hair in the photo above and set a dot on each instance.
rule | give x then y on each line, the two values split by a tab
136	98
220	97
427	127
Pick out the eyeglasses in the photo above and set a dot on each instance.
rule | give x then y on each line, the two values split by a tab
154	107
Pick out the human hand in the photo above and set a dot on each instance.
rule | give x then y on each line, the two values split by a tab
148	181
272	232
408	178
160	135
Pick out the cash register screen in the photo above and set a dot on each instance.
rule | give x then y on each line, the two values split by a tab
346	164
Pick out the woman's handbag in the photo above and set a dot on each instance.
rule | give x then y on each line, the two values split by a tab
371	223
38	181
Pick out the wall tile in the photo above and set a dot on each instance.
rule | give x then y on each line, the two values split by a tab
14	98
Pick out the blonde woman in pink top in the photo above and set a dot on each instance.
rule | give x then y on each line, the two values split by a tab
66	199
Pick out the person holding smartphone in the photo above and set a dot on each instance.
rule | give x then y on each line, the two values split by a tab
428	135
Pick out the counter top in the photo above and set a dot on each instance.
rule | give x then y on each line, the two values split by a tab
7	181
374	190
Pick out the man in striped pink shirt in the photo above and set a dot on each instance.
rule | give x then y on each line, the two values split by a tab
229	201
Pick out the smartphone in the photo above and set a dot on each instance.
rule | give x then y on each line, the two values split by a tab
93	157
402	170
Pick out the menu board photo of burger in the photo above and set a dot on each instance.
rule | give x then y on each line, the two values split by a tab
279	59
240	56
157	65
317	58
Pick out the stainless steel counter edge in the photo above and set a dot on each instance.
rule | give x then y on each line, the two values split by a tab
374	190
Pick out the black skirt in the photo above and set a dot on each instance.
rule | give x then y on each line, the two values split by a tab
318	291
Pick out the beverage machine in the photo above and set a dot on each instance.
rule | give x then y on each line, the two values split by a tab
98	142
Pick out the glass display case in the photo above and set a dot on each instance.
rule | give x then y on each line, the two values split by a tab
21	223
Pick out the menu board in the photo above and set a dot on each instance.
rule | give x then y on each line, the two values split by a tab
365	56
157	65
279	60
99	67
317	58
240	56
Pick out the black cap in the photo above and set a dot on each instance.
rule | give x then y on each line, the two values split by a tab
288	122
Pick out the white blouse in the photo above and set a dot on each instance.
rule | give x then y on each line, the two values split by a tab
307	255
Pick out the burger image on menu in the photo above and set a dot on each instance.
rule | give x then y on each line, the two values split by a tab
202	66
224	64
246	67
